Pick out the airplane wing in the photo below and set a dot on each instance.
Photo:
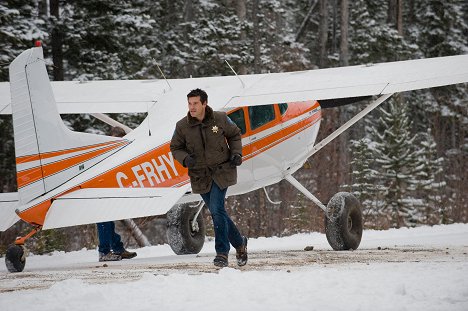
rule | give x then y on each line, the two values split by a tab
8	205
94	205
121	96
355	81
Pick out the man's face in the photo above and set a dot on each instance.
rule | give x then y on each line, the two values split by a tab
196	107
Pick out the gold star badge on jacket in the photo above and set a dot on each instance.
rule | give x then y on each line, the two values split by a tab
214	129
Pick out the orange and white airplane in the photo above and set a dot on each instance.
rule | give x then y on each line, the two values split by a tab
67	178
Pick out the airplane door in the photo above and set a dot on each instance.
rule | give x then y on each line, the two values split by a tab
294	148
264	135
244	172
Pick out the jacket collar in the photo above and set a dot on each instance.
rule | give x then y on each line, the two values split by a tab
194	121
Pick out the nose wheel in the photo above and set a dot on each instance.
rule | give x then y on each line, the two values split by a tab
15	257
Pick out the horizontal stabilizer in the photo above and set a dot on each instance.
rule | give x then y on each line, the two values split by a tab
8	205
132	96
92	205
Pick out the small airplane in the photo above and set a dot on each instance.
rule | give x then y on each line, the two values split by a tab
68	178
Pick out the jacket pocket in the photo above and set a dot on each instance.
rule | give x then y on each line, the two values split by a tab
227	173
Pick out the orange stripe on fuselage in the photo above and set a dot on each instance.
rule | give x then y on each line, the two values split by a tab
278	137
32	175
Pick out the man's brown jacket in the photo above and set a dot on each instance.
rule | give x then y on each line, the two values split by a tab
212	142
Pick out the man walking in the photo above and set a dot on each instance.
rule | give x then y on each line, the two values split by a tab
209	144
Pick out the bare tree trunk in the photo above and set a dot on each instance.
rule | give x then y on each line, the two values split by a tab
262	212
395	15
300	32
57	53
335	13
188	11
139	237
323	33
344	53
241	12
43	9
391	14
411	13
256	35
399	17
188	17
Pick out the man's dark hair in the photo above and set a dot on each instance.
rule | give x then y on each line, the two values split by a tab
117	132
198	92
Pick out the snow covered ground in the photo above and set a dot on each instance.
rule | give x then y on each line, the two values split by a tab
407	269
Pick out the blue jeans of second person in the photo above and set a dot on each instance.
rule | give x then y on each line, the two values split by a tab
108	239
225	230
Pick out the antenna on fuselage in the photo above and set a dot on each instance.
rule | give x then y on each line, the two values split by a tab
242	82
162	73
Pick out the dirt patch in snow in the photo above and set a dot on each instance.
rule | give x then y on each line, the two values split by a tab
129	270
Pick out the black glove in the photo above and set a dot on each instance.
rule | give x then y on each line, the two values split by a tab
190	161
236	160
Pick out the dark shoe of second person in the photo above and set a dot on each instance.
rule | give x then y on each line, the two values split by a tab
221	260
127	255
110	256
241	253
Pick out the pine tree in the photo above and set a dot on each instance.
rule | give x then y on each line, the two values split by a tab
371	39
109	40
20	27
431	186
441	29
398	164
364	183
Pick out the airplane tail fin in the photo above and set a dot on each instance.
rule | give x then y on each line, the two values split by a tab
47	153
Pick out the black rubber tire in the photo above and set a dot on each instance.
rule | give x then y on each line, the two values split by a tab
180	236
343	224
15	259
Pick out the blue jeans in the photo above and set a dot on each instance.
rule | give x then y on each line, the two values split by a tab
225	230
108	239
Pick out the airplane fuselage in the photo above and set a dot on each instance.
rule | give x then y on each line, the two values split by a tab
276	140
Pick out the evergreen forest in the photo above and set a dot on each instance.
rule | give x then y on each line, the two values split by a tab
406	161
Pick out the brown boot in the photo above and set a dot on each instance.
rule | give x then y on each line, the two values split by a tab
221	260
127	255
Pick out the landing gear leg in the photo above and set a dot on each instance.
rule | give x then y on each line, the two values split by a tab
15	258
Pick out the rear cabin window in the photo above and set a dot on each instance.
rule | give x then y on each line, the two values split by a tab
283	107
238	118
261	115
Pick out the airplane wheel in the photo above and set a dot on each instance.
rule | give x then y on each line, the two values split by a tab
343	224
15	258
182	238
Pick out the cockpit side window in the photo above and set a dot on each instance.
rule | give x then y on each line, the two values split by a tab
238	118
261	115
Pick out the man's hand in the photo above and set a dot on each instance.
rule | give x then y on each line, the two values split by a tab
190	161
236	160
